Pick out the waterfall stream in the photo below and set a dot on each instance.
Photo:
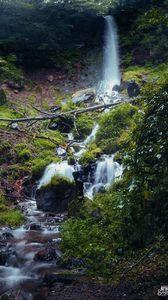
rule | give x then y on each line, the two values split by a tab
33	249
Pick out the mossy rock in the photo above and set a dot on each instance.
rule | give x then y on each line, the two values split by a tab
56	195
3	98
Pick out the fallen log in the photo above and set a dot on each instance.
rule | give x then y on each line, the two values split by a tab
54	116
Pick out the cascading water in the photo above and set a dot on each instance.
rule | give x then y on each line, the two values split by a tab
62	169
33	249
107	170
111	73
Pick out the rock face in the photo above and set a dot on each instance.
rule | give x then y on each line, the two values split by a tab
56	196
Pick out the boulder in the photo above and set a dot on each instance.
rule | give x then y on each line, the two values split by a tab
16	85
116	88
63	124
47	254
85	95
57	195
3	257
133	89
61	152
3	98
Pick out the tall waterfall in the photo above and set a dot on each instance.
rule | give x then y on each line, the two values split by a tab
111	73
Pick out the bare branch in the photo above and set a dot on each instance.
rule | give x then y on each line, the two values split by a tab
54	116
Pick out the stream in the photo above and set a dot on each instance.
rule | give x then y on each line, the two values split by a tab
32	251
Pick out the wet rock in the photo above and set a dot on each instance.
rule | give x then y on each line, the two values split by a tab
34	226
56	196
85	95
63	124
16	85
7	235
48	254
61	152
133	88
116	88
3	98
3	257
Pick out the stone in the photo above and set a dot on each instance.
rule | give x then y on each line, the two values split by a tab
57	195
48	254
64	124
50	78
133	89
3	257
86	95
3	98
34	226
61	151
7	235
116	88
53	109
16	85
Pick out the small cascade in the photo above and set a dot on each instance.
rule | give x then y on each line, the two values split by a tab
111	73
107	170
62	169
89	139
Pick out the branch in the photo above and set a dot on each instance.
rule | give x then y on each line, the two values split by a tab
42	111
54	116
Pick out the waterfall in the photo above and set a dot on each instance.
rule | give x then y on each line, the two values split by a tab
111	73
62	169
107	170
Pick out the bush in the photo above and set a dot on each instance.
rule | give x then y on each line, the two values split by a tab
84	124
115	127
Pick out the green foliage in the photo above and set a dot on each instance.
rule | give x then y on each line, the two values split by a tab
23	152
150	28
84	124
11	217
86	158
115	127
61	183
8	69
133	212
3	98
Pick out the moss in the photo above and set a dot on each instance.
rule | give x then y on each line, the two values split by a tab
11	217
86	158
116	127
23	152
71	160
60	182
37	167
84	124
3	98
8	69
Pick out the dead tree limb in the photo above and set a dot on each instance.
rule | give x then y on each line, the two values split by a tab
42	111
54	116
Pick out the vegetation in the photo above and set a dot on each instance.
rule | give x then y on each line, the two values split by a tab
115	128
128	218
7	215
127	224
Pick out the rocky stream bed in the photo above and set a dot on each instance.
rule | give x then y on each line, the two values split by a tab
30	263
